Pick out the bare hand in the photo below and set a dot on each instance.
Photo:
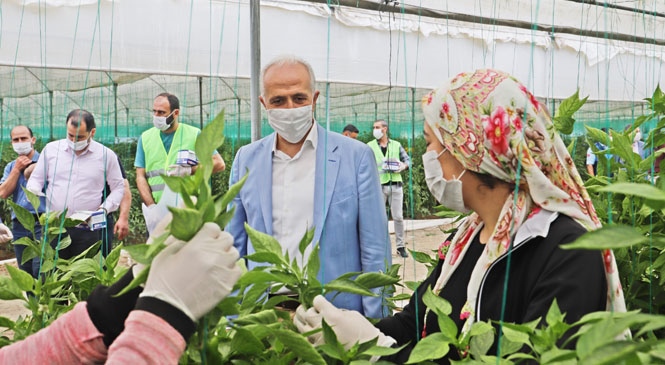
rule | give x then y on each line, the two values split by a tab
121	228
22	162
28	171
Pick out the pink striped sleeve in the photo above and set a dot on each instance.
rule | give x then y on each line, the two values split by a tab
71	339
147	339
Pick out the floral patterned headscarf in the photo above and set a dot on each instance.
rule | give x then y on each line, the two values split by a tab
493	125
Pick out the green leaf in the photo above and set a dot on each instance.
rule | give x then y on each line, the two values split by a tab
602	333
306	240
448	328
207	209
480	344
244	342
63	243
616	352
621	146
21	278
32	198
138	280
383	351
8	289
654	197
186	223
314	262
437	304
554	315
479	328
24	216
222	202
614	236
85	265
432	347
183	185
330	337
210	138
263	317
422	257
347	286
563	118
114	256
267	257
515	336
256	277
509	347
6	323
224	218
139	253
375	280
263	242
300	346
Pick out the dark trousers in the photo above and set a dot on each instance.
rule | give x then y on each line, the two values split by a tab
32	266
107	235
82	239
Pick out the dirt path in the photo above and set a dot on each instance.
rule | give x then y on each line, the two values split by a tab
423	239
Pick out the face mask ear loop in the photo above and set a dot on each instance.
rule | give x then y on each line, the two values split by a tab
460	175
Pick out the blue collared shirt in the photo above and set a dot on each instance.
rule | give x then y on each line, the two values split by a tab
18	195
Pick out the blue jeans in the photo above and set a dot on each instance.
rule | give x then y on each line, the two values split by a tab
32	266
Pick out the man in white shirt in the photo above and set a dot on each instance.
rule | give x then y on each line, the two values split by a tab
72	172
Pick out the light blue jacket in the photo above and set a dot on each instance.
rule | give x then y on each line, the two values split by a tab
350	220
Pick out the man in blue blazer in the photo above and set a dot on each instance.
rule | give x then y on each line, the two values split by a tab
302	177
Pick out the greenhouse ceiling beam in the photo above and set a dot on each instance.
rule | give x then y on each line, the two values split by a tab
618	7
38	78
414	10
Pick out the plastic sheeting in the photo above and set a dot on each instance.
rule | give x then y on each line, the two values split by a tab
113	57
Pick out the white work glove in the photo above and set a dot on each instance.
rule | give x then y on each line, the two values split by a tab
153	215
179	170
402	166
194	276
158	230
5	234
350	326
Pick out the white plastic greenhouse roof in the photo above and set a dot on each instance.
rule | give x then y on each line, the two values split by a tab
113	57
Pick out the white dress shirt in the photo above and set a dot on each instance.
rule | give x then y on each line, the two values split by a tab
77	182
293	195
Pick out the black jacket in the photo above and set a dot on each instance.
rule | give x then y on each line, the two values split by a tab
540	271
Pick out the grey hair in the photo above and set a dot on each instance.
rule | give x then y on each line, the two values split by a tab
288	60
383	122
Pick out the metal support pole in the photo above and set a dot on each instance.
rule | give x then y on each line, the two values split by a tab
376	112
2	119
255	64
115	110
127	121
50	107
201	101
238	122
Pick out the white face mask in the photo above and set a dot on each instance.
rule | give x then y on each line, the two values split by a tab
162	123
378	133
446	192
291	124
78	146
22	148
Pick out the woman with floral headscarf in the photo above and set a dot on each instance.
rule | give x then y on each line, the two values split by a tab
492	149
